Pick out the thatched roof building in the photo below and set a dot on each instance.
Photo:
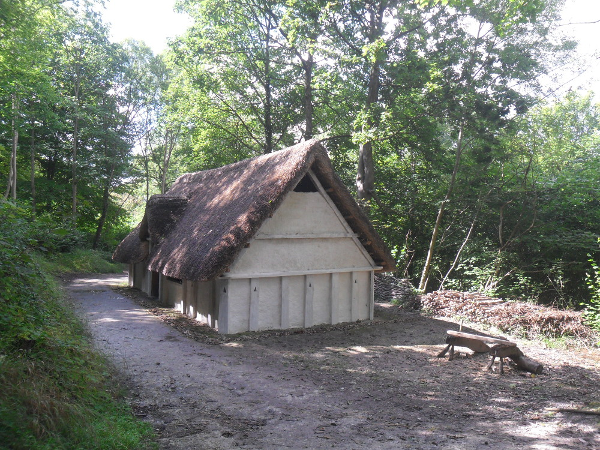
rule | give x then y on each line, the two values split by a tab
200	227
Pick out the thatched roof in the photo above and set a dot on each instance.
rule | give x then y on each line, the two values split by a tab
200	225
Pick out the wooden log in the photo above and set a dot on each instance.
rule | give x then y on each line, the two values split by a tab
443	352
527	364
488	302
486	339
576	411
503	351
473	344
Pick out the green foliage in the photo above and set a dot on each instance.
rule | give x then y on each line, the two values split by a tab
57	392
592	308
81	261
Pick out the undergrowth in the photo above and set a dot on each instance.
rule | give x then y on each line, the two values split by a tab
80	261
57	391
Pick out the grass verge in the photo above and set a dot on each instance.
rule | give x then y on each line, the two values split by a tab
80	261
57	391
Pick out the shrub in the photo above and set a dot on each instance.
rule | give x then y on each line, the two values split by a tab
592	308
57	392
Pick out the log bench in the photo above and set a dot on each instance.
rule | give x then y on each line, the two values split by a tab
497	348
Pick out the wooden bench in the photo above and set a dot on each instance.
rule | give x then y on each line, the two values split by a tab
497	348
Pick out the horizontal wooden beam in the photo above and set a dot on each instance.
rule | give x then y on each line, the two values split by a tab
477	337
299	272
306	236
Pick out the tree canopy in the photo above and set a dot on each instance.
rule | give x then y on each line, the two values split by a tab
432	112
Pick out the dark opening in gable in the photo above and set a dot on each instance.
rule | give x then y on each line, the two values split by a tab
306	185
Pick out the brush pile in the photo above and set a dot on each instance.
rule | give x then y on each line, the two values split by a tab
508	316
389	289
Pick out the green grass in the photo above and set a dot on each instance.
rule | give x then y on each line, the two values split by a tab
80	261
56	391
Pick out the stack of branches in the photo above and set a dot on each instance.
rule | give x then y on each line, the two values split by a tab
395	290
509	316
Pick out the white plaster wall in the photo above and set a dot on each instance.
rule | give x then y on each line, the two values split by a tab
297	243
280	255
204	293
321	298
190	298
347	299
269	304
172	294
363	294
301	213
344	297
139	275
239	305
296	295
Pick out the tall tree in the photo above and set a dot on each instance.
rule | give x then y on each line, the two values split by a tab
234	53
486	63
85	59
24	58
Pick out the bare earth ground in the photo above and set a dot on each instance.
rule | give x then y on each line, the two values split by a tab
376	385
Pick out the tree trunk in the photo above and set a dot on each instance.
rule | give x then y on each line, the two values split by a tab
438	221
268	94
308	65
365	176
77	93
458	253
11	188
170	141
104	213
32	160
74	167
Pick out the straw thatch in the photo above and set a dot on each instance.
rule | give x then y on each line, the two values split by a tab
198	228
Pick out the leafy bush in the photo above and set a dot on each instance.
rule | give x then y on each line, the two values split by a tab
52	238
81	261
57	392
592	309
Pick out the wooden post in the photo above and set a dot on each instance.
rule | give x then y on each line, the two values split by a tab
354	306
285	302
309	292
223	296
254	304
334	298
371	294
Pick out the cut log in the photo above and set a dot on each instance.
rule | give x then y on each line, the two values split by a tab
576	411
473	344
503	351
487	339
527	364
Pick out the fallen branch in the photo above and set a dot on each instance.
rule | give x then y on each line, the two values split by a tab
576	411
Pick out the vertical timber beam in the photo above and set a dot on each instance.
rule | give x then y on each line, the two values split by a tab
285	302
131	274
223	296
213	308
309	292
371	294
334	298
184	299
254	305
354	306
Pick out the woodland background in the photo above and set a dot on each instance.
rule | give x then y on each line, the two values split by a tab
439	115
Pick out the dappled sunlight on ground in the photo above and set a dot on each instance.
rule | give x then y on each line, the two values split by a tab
376	385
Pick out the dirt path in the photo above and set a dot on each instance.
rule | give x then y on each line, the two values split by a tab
376	386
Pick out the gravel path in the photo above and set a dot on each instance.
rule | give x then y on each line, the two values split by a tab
373	385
